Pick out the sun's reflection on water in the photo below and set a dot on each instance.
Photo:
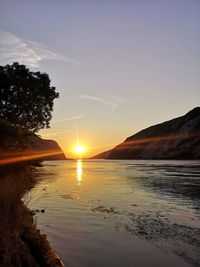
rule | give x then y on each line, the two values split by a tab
79	171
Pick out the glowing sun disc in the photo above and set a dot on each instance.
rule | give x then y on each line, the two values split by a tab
79	149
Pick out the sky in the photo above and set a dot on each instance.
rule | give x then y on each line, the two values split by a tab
120	66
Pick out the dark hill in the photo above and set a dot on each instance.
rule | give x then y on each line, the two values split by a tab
14	139
178	138
38	144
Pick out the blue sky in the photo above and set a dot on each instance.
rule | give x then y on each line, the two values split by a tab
119	66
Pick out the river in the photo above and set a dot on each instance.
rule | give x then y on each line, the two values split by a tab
120	213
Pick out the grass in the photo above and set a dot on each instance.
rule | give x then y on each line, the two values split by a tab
21	243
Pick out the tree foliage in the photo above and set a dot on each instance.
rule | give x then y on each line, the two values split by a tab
26	97
13	138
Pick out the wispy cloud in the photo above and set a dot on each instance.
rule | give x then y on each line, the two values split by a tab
70	118
14	48
111	102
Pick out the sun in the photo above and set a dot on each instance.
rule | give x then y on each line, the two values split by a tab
79	149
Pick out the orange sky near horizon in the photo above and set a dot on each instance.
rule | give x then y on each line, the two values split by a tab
68	145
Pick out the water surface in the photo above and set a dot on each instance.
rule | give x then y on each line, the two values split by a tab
113	213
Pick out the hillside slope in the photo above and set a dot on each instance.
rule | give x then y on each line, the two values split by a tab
178	138
38	144
16	140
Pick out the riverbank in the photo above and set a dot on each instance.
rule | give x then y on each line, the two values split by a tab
21	243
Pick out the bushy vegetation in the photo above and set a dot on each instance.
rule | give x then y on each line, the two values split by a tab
13	138
26	97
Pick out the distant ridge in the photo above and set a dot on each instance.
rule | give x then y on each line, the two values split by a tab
178	138
39	144
14	139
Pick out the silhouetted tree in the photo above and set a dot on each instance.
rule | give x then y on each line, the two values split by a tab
26	97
